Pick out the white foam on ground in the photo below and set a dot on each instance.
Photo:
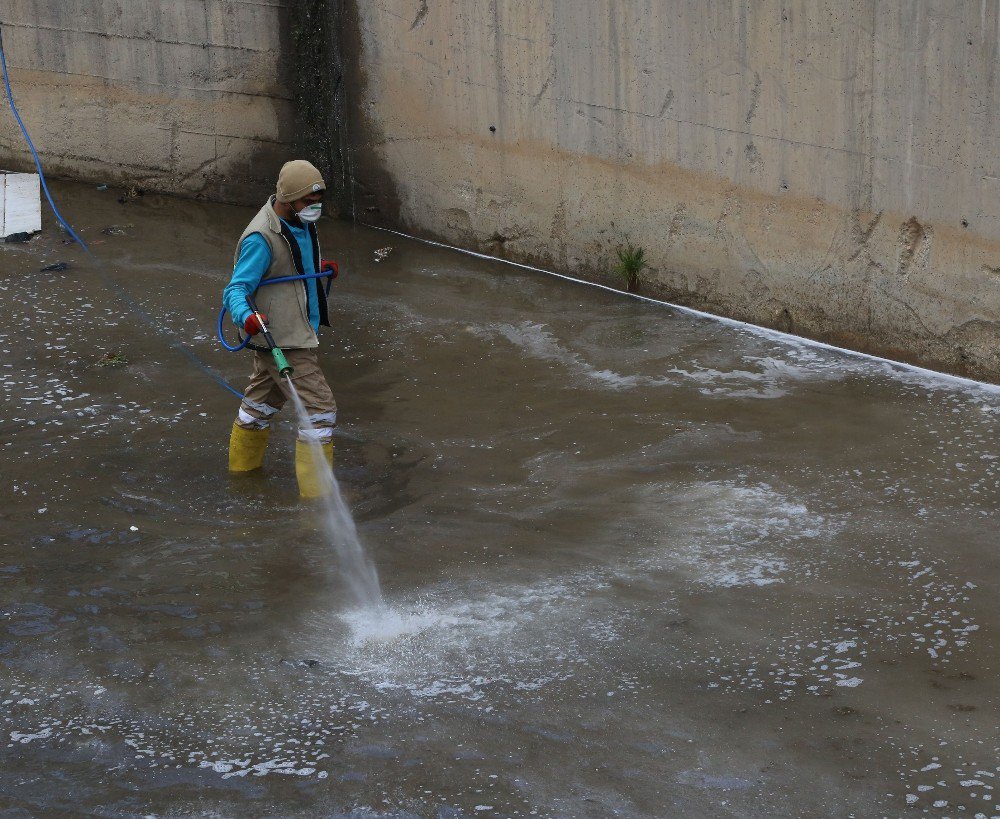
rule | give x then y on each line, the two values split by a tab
387	625
725	534
469	643
773	379
716	534
894	369
537	341
759	377
447	615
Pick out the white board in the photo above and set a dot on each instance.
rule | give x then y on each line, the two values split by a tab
20	203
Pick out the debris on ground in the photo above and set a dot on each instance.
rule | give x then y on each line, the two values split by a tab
102	187
18	238
132	193
112	360
55	268
299	663
116	230
382	254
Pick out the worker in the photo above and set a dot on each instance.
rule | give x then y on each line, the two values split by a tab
281	241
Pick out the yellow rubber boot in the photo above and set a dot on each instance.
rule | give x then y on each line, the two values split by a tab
311	483
246	448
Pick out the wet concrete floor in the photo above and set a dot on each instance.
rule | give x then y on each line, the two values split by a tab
641	564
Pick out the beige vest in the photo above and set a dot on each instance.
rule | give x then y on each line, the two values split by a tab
284	304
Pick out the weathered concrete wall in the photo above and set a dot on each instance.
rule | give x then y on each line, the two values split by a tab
186	96
828	167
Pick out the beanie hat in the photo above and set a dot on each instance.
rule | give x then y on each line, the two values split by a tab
298	178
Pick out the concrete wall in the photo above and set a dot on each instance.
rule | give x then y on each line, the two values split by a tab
186	96
828	167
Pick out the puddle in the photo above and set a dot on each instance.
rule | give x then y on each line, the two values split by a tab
634	562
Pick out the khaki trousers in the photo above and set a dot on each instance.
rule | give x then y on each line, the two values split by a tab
267	393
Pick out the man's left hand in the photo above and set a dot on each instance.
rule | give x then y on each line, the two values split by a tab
327	266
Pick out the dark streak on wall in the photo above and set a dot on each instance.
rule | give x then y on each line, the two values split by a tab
314	51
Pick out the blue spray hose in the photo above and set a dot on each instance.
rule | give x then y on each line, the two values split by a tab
111	284
264	283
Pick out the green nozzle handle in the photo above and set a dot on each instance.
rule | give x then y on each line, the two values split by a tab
284	368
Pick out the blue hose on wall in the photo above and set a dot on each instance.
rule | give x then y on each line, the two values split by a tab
121	293
31	146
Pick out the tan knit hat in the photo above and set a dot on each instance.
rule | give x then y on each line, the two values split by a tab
298	178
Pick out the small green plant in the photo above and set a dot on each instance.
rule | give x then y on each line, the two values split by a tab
114	360
631	263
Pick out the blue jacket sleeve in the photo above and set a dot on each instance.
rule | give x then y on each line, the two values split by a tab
252	264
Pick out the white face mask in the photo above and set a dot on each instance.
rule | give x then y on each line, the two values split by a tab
311	213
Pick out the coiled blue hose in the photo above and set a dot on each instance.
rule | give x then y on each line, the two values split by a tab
264	283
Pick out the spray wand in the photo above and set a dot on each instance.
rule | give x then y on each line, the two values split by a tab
284	368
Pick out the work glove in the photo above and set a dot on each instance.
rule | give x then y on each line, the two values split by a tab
251	326
327	266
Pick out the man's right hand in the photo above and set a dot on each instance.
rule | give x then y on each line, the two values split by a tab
252	326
